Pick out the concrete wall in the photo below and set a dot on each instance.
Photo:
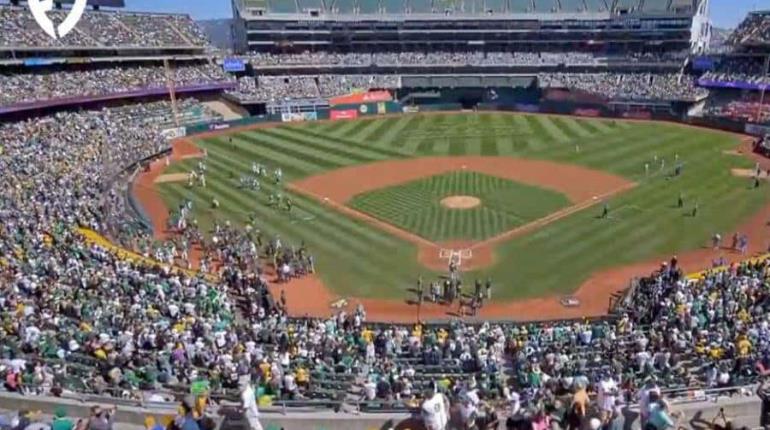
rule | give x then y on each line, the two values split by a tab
744	411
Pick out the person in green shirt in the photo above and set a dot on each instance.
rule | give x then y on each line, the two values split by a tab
60	420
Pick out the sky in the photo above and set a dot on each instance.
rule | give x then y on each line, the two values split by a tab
724	13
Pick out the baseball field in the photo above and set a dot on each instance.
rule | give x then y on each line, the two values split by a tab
515	198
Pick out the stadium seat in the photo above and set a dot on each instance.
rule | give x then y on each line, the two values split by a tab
344	6
393	6
596	5
682	5
572	6
546	5
306	5
255	4
283	6
497	6
521	6
473	6
626	4
368	6
420	6
655	6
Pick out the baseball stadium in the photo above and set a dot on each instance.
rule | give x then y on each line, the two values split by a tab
395	214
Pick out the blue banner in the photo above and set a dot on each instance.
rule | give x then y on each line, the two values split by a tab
741	85
31	62
233	65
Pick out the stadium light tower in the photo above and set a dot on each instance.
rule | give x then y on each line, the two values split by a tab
171	90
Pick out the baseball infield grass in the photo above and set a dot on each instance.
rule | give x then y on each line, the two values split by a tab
416	206
355	258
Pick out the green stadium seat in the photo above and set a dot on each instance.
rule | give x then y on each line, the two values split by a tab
473	6
255	4
682	5
596	5
393	6
497	6
344	6
368	6
283	6
305	5
420	6
572	5
545	5
520	6
655	5
444	5
627	4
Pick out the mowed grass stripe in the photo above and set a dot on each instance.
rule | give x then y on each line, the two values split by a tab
561	124
353	154
268	154
394	137
361	127
549	126
369	150
577	127
300	147
310	157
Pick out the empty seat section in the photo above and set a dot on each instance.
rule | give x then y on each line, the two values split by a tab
572	6
393	6
420	6
305	5
368	6
344	6
473	6
521	6
596	5
655	5
283	6
545	5
626	4
497	6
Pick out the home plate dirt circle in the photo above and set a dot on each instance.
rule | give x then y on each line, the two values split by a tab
460	202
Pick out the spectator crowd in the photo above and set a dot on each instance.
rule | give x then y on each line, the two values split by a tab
754	30
101	29
277	88
55	84
631	86
459	58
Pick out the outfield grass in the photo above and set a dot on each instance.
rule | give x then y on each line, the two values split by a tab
358	259
416	206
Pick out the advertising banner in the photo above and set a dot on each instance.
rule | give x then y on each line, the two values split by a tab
757	130
411	109
218	126
358	98
174	133
588	112
298	116
637	114
381	108
233	65
343	114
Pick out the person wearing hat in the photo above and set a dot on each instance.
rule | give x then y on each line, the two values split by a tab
249	403
60	420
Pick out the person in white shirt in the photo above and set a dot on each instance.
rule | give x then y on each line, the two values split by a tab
608	392
249	404
435	410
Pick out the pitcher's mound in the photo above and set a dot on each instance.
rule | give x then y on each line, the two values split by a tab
460	202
